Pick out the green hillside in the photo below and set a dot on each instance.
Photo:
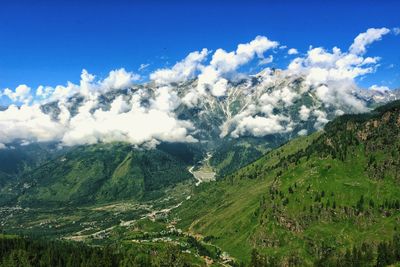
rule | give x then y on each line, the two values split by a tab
233	154
312	199
21	158
100	173
328	199
16	251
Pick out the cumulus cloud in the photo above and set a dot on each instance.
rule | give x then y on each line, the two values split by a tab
267	60
284	95
225	63
329	76
359	46
22	94
182	70
126	120
118	79
255	105
378	88
44	92
2	146
258	126
258	119
88	86
321	65
293	51
304	113
213	77
28	123
321	119
166	99
332	73
302	132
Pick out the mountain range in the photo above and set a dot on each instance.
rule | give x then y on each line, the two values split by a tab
298	182
258	113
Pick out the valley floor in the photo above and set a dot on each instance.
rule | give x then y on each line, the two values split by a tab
202	171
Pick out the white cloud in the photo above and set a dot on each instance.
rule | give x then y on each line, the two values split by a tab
137	126
293	51
339	95
143	66
166	99
88	85
284	95
2	146
126	120
396	31
59	92
191	99
147	116
324	93
258	126
118	79
332	73
28	123
304	113
220	87
302	132
22	94
227	63
267	60
328	76
44	92
321	119
379	88
361	42
181	71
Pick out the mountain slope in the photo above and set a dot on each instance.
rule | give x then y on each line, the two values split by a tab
265	110
311	199
20	158
101	173
256	114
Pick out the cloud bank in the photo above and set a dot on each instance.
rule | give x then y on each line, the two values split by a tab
213	83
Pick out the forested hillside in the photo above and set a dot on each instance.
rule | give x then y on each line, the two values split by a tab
100	173
319	200
27	252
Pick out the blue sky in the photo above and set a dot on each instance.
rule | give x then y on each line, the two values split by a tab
50	42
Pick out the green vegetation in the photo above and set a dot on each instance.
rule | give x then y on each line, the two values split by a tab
98	174
328	199
311	200
233	154
16	251
25	157
25	252
90	223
